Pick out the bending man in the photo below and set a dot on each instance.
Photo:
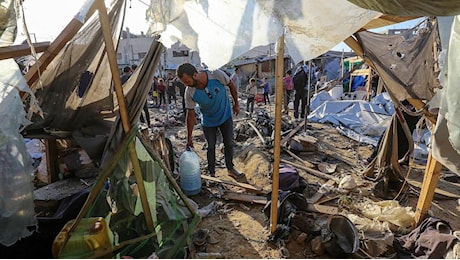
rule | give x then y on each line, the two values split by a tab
207	89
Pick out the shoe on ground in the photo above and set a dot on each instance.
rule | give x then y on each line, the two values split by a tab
235	174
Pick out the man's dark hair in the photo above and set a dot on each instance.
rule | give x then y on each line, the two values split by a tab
127	69
186	68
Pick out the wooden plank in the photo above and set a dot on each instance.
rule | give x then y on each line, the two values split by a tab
361	72
430	181
293	155
245	197
437	190
354	45
293	132
246	186
21	50
312	171
52	167
379	86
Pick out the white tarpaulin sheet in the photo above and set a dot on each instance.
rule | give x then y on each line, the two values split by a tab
222	30
16	172
446	139
358	119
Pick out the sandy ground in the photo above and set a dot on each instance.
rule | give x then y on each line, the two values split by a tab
239	229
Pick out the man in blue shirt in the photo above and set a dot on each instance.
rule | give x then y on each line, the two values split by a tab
207	89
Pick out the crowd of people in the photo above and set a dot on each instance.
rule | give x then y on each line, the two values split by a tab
296	88
164	91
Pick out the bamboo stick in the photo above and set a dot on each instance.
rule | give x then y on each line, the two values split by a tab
112	57
277	139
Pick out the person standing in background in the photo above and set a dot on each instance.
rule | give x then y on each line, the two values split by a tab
266	87
236	78
251	89
126	74
288	89
161	88
155	92
300	81
171	88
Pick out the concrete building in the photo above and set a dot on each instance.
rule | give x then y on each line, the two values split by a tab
133	48
174	56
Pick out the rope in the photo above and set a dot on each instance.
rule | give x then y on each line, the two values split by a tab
411	158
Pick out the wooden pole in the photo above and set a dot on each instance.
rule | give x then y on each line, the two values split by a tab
307	108
277	140
7	52
430	181
112	56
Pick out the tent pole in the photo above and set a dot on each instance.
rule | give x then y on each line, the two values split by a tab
277	141
307	108
430	181
112	56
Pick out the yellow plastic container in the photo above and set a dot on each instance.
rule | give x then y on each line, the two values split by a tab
91	235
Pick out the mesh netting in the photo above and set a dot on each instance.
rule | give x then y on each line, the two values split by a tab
114	224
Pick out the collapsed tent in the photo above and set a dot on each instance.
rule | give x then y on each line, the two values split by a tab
405	61
70	108
212	64
113	220
135	200
360	120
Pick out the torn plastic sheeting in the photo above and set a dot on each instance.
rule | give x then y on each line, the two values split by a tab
307	34
389	211
362	118
376	236
446	141
17	211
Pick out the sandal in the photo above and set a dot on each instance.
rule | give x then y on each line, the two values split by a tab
235	174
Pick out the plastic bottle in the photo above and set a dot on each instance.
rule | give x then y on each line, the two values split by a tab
190	180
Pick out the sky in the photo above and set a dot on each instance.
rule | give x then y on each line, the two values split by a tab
43	27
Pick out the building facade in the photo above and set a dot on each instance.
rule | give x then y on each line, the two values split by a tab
132	49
